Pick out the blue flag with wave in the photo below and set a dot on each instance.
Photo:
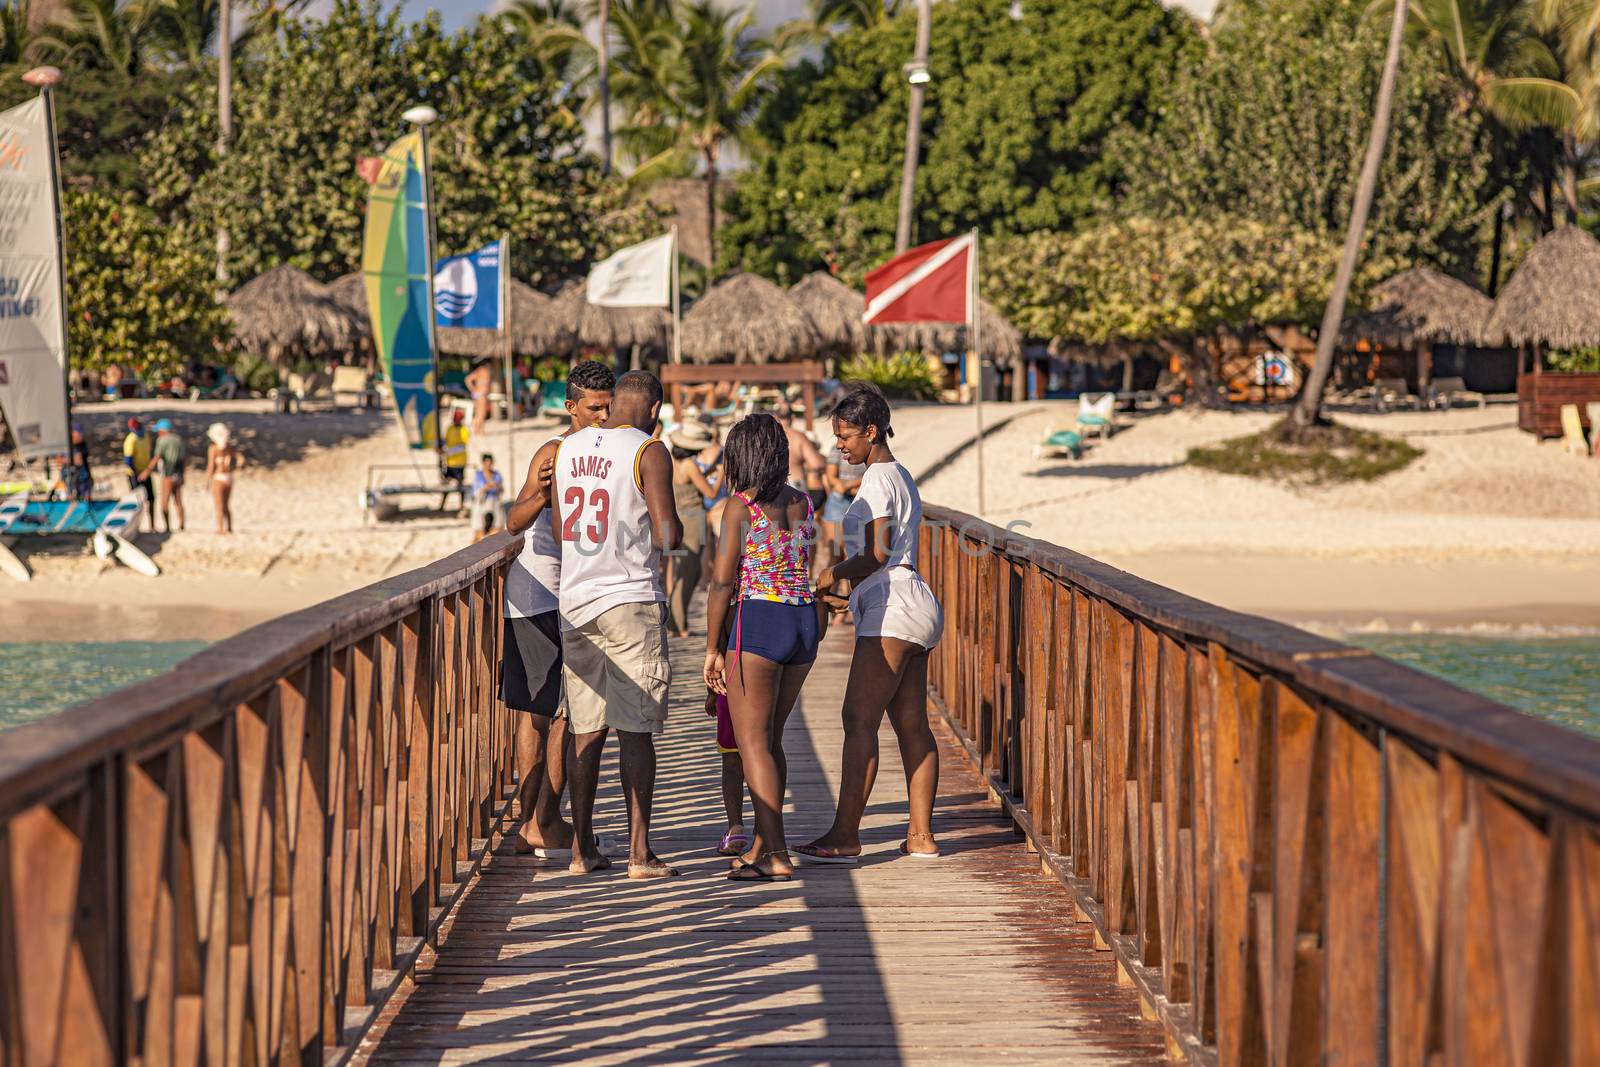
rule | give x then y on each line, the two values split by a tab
466	290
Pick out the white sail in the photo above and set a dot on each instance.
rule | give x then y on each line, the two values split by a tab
32	337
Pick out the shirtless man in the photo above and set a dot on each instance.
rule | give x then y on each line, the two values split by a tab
806	465
530	677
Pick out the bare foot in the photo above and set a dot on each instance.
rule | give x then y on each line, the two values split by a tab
652	868
582	864
529	837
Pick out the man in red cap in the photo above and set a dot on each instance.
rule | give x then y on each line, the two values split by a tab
136	457
455	455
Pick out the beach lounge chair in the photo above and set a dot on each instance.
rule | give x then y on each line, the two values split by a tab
353	382
1444	392
1572	438
1392	393
1098	415
1060	443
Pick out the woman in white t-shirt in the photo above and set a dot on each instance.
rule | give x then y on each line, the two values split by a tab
898	621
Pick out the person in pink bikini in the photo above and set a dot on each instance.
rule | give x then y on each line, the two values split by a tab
759	657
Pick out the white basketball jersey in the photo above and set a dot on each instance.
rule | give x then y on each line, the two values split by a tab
606	557
533	581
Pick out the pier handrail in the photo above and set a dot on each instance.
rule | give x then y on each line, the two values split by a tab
1298	851
242	856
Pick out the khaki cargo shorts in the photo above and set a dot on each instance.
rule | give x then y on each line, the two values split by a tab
616	670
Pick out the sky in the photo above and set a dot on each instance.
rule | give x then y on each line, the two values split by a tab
459	12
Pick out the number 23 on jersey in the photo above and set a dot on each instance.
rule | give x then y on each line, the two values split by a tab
573	504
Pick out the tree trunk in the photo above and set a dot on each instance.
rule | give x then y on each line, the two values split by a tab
711	217
1495	253
1569	175
1019	380
605	88
1309	408
1196	360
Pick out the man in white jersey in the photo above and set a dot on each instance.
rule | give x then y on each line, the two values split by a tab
614	514
530	674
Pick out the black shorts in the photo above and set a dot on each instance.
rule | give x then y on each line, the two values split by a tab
525	650
818	498
148	487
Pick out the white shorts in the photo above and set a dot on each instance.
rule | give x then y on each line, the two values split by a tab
898	604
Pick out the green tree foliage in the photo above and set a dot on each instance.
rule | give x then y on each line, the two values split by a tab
1016	121
1140	279
139	292
507	156
1270	123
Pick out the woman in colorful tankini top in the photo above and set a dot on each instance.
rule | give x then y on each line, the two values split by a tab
760	657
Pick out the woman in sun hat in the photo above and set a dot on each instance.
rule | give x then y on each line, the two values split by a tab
223	462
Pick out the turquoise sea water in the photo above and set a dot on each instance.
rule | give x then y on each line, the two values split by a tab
39	679
1557	678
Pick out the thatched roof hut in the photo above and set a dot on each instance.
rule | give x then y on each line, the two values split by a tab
747	319
538	326
1001	341
1553	300
287	311
1422	305
834	308
647	327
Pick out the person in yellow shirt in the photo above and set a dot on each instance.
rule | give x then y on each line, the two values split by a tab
136	448
455	456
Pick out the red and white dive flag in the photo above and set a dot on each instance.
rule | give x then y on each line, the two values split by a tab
929	283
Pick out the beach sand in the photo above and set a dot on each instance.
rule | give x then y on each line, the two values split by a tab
1487	528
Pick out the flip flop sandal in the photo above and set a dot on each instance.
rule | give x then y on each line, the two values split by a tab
605	844
733	844
822	855
749	872
905	849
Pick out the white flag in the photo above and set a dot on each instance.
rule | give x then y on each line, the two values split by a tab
33	388
638	276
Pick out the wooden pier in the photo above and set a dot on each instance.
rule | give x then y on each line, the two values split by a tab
1173	830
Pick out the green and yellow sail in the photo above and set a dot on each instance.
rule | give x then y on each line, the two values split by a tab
395	261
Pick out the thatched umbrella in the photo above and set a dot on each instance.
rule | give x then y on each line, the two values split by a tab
747	319
1001	342
610	327
1553	300
286	311
834	308
1423	305
538	327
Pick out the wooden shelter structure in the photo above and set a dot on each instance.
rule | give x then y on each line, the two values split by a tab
1552	302
747	319
611	328
286	312
835	310
1001	342
538	326
1418	317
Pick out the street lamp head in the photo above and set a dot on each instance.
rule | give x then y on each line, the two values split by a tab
1016	11
40	77
917	74
421	115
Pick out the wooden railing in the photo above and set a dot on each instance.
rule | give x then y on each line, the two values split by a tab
236	862
1298	852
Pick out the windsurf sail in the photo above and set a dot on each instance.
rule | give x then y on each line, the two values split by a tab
396	261
33	343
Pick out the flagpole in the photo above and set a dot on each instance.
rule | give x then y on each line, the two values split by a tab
975	358
677	348
506	342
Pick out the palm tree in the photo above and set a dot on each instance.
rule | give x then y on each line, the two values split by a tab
117	35
1308	408
830	17
705	92
1565	100
22	25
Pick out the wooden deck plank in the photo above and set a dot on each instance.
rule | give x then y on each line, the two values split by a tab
896	961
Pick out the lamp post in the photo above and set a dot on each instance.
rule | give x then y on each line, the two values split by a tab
917	76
